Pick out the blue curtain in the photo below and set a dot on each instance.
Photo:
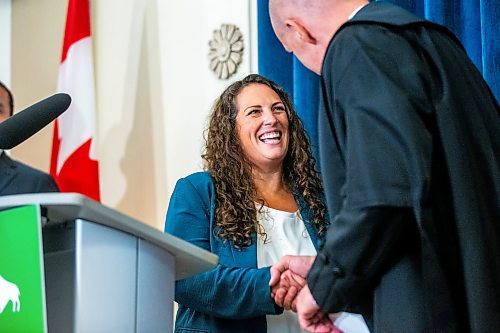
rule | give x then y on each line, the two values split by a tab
474	22
283	68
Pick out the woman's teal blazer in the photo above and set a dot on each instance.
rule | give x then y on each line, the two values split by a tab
234	296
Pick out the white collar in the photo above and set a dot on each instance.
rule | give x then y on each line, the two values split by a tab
356	11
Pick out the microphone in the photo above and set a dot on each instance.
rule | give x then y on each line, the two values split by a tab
24	124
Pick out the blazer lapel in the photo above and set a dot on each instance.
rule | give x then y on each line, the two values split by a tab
312	233
307	217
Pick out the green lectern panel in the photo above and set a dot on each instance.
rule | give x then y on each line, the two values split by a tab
22	294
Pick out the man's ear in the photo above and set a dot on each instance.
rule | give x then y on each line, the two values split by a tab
301	31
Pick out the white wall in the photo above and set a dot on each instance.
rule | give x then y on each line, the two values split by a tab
189	86
154	88
125	110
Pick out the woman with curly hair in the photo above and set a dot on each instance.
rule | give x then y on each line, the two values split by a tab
258	199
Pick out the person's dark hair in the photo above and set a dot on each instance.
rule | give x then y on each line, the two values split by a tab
11	98
236	214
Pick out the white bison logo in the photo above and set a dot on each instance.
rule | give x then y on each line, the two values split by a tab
9	292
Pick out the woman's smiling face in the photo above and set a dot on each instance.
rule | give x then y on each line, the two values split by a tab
262	126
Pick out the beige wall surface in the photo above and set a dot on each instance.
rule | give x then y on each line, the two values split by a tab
37	32
5	40
154	88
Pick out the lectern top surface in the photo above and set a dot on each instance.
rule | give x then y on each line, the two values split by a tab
61	207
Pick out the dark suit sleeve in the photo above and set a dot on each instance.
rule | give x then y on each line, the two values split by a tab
46	184
357	250
226	292
19	178
380	89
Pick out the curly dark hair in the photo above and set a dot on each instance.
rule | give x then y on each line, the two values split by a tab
236	214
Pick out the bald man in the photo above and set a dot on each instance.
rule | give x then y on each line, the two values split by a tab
17	177
409	152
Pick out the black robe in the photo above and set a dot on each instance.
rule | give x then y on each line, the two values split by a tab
409	137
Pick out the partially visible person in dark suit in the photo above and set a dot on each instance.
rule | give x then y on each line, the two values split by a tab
409	141
17	177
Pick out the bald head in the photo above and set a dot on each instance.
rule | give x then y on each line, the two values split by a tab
305	27
313	12
280	10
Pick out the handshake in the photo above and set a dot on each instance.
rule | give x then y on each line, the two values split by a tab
289	290
288	277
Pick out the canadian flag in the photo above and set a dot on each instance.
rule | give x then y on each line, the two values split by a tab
74	162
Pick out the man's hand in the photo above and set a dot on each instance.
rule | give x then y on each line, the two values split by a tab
311	318
285	291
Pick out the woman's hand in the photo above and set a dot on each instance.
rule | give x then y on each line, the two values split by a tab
286	289
288	277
